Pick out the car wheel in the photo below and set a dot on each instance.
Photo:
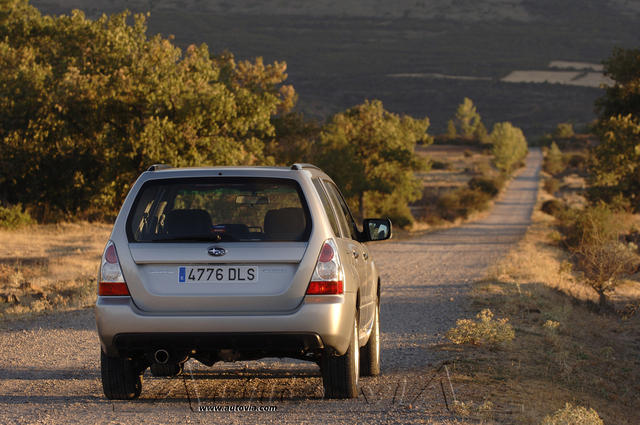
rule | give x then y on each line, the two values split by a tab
340	373
370	353
121	379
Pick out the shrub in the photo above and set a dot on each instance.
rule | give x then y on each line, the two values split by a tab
593	236
13	217
391	206
551	185
577	160
589	225
489	185
573	415
440	165
554	160
483	331
461	203
552	207
564	130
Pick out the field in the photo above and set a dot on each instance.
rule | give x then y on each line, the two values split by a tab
562	351
47	267
340	53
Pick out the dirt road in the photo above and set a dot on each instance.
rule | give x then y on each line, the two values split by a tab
49	370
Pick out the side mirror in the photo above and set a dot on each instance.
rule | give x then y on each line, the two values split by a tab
376	229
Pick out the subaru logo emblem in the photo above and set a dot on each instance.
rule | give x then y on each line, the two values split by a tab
216	251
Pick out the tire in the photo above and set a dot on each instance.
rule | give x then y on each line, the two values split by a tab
340	373
121	378
370	353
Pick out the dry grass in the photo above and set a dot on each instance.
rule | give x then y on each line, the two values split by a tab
46	267
563	351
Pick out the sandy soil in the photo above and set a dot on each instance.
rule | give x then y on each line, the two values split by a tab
49	370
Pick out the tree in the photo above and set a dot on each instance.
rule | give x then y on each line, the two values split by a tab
452	133
509	146
294	140
623	97
86	105
481	134
467	118
554	161
564	130
370	154
615	165
593	236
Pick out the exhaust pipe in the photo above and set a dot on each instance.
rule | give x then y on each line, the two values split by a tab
161	356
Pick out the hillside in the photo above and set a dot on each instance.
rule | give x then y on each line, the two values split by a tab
418	57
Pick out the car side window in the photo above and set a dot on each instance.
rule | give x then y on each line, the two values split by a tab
343	210
327	206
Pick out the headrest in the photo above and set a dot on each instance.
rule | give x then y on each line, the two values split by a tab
285	224
188	223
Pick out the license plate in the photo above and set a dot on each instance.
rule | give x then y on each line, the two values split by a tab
218	274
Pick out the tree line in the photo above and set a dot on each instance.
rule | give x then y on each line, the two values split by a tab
86	105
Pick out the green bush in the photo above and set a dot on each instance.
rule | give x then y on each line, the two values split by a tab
554	160
509	146
577	160
564	130
440	165
573	415
483	331
489	185
13	217
553	207
551	185
461	202
390	206
593	236
590	225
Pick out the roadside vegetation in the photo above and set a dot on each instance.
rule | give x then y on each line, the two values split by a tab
571	289
86	105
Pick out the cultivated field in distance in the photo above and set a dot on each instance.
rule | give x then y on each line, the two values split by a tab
340	53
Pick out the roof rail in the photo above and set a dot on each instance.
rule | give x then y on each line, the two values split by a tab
300	166
156	167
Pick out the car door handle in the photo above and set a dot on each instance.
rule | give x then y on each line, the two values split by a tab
355	253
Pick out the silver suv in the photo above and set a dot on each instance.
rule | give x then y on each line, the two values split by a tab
238	263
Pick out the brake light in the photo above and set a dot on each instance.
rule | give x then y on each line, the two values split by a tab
111	280
327	276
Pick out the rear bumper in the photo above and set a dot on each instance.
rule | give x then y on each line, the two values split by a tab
242	345
319	322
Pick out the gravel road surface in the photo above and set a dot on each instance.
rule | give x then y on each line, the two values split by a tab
49	366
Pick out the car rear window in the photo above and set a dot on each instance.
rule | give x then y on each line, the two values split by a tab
219	209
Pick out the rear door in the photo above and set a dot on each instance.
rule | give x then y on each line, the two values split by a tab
355	251
226	245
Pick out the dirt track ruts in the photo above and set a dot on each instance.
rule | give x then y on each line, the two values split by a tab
49	368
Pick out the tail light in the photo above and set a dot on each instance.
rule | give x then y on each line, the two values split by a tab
111	280
327	276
